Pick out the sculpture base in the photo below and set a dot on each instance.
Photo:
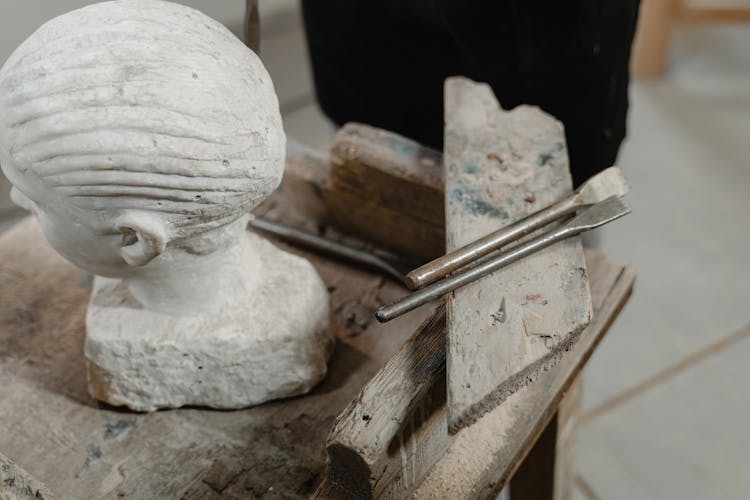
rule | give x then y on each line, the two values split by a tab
272	345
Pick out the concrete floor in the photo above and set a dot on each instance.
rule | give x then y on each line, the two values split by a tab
666	404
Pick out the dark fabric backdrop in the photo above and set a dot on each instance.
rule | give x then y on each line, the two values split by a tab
384	62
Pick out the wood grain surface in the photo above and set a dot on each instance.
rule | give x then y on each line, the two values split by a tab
388	190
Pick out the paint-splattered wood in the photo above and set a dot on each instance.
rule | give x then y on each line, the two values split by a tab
483	457
508	327
388	190
387	440
52	428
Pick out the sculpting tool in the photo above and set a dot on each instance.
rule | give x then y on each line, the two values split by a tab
589	218
605	184
326	245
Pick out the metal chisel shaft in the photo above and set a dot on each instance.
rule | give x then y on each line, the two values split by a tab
590	218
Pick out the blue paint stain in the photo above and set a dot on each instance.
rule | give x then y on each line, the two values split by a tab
471	169
111	431
481	207
405	148
547	157
472	202
543	159
94	453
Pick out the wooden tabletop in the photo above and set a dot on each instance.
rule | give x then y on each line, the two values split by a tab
52	430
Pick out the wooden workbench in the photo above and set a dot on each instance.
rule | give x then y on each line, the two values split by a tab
80	449
52	429
57	442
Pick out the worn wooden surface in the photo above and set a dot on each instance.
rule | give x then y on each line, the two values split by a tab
506	328
52	428
388	190
17	484
370	436
389	453
481	458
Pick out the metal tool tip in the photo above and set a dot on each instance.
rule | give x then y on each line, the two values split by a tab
381	315
607	183
599	214
412	280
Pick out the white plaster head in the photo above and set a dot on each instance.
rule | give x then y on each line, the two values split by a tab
137	128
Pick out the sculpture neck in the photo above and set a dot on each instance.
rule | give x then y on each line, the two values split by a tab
184	284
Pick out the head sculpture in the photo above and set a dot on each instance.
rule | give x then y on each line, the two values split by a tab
134	129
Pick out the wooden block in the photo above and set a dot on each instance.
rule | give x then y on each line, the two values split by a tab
506	328
388	190
394	434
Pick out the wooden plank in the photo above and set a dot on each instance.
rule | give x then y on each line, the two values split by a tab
387	189
507	328
359	447
17	484
482	458
51	427
389	454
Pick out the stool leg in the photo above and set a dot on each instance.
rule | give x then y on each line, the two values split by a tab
651	45
548	470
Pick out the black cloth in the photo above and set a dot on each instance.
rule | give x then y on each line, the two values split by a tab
383	62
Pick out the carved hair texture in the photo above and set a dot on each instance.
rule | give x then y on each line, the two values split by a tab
143	104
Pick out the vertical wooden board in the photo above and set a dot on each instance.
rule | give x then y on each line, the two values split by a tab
482	458
505	328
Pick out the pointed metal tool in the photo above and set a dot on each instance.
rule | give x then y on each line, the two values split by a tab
589	218
605	184
384	262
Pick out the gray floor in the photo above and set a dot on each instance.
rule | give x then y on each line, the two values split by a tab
666	401
666	393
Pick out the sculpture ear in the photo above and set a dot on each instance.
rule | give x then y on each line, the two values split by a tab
143	237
